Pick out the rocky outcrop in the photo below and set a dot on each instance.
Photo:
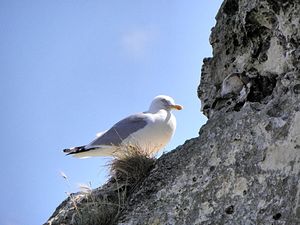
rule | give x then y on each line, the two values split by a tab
256	41
244	167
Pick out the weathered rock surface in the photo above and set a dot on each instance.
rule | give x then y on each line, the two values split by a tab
244	167
257	41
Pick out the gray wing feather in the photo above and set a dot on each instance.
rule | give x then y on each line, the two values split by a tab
121	130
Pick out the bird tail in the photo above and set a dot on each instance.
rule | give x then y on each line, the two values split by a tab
87	151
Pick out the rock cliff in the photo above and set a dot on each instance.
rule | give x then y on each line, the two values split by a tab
244	167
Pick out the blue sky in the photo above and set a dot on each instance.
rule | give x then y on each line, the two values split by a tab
72	68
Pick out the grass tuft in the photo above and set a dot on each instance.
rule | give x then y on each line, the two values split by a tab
132	166
102	206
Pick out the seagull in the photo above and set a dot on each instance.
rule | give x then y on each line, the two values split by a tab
150	130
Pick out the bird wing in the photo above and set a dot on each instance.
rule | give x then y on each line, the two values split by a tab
121	130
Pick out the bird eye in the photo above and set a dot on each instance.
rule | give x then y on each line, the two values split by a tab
165	102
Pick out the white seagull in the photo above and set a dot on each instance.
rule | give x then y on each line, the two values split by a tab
150	131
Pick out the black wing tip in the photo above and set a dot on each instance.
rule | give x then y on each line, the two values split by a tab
67	150
70	151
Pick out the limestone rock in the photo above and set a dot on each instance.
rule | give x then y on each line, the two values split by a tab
257	39
244	166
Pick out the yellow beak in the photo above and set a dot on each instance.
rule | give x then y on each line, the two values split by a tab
177	107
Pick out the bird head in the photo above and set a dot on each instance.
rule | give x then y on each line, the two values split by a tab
164	102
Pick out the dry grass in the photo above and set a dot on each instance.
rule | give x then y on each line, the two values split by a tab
96	211
103	206
132	166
